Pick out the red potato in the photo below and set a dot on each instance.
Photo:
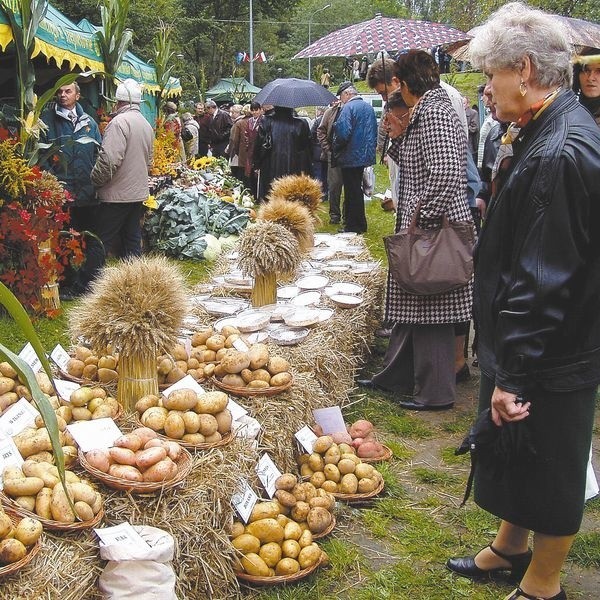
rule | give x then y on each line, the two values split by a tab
125	472
341	437
129	440
123	456
356	442
161	471
155	443
361	428
146	458
370	450
100	459
145	434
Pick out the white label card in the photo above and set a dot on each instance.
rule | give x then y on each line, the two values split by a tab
122	534
237	411
98	433
188	382
330	419
60	357
246	427
9	456
240	345
66	388
30	357
244	500
268	473
17	417
306	436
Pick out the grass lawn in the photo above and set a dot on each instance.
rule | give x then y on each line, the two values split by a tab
396	547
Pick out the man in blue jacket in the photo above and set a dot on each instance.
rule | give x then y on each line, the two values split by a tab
77	141
354	141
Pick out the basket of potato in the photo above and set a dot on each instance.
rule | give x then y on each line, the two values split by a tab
339	471
196	421
308	506
86	366
139	462
35	490
19	541
272	548
252	373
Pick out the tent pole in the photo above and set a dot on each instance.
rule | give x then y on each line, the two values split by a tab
251	48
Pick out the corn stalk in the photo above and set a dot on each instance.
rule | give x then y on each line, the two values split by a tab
163	59
114	39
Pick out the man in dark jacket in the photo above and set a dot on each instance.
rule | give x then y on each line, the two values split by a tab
219	128
354	142
77	139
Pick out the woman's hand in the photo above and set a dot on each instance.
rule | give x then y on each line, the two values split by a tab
506	408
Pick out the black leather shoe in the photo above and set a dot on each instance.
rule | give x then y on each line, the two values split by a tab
466	567
370	385
463	374
410	405
519	593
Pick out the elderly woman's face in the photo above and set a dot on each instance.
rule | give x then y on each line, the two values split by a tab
502	88
589	80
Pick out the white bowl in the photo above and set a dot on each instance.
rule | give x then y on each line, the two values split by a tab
306	299
346	301
303	317
287	292
312	282
252	320
287	336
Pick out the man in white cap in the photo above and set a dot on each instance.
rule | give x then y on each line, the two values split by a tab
121	173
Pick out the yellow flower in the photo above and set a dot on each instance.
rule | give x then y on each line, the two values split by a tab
151	202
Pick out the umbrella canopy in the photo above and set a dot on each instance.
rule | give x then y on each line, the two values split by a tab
581	34
383	33
293	93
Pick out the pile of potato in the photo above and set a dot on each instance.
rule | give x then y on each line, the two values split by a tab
88	403
273	544
36	487
88	365
15	539
178	363
337	469
361	436
13	389
138	456
187	416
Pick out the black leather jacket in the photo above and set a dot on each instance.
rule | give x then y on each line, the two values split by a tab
537	278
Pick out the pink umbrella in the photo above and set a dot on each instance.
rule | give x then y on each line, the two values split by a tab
383	33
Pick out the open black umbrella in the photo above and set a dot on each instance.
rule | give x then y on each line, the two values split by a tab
293	93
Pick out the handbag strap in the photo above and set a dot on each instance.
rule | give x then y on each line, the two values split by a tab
413	222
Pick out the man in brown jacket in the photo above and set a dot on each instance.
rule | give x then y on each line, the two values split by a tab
121	173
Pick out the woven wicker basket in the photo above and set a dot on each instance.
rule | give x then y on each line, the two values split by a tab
387	455
248	392
326	531
49	525
277	579
184	466
359	497
31	552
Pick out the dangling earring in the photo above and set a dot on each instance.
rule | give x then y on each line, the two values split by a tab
523	89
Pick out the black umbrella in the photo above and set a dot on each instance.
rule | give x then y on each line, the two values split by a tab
293	93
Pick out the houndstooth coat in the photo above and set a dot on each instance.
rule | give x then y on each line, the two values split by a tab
432	170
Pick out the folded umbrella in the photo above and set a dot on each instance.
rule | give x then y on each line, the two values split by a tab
293	93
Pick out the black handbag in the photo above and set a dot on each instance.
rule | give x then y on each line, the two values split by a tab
500	447
424	262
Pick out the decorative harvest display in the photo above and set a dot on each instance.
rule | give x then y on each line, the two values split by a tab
336	469
187	416
17	537
295	217
266	250
302	189
35	487
136	307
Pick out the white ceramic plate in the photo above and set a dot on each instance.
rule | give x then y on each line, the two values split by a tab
224	306
345	301
325	314
288	336
303	317
342	287
306	299
252	320
312	282
287	292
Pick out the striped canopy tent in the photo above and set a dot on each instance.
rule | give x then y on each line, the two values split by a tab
383	33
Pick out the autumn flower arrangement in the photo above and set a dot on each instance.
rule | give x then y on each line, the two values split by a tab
34	248
167	157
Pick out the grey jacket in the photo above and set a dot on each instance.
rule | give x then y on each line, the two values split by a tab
121	171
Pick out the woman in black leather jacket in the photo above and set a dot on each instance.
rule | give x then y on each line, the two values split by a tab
537	286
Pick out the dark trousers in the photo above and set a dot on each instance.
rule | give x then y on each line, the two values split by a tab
119	226
419	362
320	173
354	203
334	188
202	148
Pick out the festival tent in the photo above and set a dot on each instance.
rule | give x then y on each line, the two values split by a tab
230	89
69	47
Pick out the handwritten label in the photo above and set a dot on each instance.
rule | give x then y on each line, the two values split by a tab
186	343
188	382
17	417
244	500
9	456
237	411
306	437
30	357
268	473
246	427
65	388
123	535
330	419
240	345
60	357
99	433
